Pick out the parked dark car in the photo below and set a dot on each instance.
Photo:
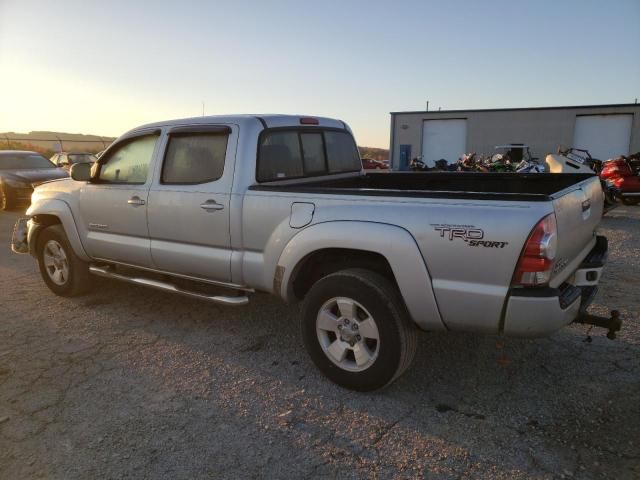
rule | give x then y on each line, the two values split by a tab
66	159
20	171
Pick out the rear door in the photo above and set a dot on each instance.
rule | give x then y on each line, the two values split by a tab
189	201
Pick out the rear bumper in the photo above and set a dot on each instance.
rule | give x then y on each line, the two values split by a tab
536	312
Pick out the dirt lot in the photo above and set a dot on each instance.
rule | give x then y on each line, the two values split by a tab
132	383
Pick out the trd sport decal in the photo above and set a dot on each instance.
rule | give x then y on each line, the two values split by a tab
474	237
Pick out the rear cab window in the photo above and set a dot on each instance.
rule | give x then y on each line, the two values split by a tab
299	152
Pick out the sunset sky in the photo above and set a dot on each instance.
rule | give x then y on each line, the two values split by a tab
104	67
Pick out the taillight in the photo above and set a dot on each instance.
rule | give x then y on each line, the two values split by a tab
539	253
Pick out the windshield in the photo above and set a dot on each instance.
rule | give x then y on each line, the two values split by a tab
23	161
81	158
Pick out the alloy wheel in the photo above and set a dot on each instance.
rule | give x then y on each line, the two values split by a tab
348	334
56	262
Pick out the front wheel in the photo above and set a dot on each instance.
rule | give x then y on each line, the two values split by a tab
357	330
62	270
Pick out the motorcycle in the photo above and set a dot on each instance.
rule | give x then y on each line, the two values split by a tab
530	166
500	163
470	162
624	174
514	157
418	165
443	166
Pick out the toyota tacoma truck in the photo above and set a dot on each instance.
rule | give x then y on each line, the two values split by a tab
220	207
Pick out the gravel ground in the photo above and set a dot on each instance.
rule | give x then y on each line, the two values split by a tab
133	383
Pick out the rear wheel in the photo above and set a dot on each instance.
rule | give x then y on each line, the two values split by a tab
357	330
62	270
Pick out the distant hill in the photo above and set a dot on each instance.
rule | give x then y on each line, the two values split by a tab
374	153
48	143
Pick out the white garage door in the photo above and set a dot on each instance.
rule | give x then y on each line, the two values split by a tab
605	136
443	139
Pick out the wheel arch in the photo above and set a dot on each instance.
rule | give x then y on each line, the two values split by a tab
386	249
54	212
323	262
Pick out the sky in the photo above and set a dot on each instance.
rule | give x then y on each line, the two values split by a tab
104	67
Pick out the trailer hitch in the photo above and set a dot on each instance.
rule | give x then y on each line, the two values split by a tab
612	323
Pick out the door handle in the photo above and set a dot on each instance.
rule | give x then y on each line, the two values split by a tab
211	205
135	201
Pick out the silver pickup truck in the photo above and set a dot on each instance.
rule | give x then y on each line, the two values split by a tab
219	207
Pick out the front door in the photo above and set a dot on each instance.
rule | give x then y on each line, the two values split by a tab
113	207
188	208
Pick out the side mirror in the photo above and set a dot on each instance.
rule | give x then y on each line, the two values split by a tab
81	172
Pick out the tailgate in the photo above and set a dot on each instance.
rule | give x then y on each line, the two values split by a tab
578	212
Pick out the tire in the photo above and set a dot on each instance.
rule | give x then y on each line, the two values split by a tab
53	246
374	298
7	202
630	201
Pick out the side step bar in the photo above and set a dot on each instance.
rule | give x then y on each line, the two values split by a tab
234	301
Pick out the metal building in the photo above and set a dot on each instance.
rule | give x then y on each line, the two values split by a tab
605	130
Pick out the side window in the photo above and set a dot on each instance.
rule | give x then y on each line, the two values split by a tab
193	158
129	163
279	156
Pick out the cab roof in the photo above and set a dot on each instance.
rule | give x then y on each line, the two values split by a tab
269	120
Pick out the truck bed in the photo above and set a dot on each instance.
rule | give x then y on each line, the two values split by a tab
468	185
